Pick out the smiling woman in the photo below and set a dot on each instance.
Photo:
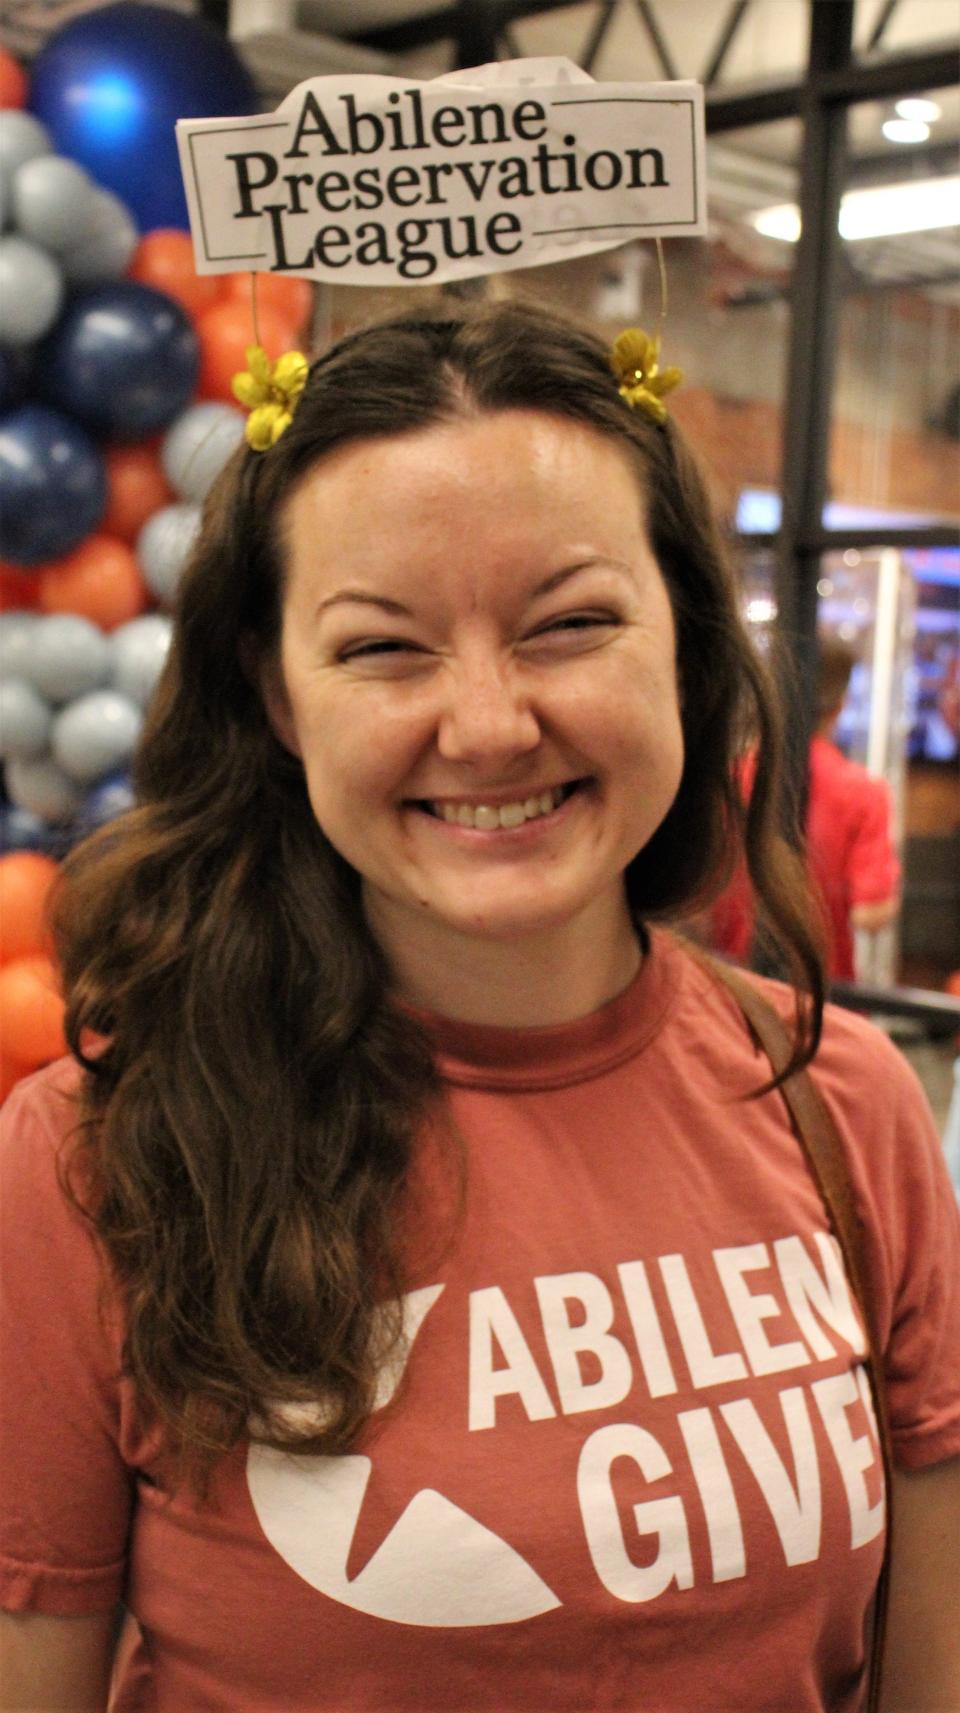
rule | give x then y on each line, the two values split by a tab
429	1321
510	643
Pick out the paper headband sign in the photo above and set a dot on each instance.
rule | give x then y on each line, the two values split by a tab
385	181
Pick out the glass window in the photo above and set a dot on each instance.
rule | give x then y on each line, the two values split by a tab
895	438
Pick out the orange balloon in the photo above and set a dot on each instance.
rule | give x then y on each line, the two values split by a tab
290	297
225	332
25	881
31	1011
13	81
136	488
100	580
164	259
18	588
11	1071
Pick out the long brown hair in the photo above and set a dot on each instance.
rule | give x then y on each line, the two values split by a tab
251	1107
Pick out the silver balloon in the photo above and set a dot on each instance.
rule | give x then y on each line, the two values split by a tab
52	201
95	734
25	720
163	547
67	656
43	788
16	642
138	651
198	445
31	291
107	245
22	137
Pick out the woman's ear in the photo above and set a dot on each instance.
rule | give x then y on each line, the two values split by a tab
265	675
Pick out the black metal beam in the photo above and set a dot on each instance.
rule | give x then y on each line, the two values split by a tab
883	168
724	42
899	74
809	382
598	30
476	33
939	1011
429	27
877	33
838	540
658	40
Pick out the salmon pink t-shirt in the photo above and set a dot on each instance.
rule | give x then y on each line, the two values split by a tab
625	1457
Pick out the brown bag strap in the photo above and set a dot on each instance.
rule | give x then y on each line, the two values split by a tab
823	1148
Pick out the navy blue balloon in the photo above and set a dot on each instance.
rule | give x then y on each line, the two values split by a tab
22	830
110	86
53	485
14	376
123	358
109	798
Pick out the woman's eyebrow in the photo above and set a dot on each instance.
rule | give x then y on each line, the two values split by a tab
364	596
396	609
557	578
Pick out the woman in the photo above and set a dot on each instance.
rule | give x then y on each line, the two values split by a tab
426	1317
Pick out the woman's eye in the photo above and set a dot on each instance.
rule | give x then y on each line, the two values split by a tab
576	623
376	646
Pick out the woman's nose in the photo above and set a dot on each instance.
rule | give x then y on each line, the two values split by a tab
487	716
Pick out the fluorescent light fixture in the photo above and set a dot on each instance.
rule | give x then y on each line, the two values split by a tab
905	130
781	222
883	210
878	211
917	107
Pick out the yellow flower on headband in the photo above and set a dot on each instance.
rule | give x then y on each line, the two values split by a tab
271	393
635	360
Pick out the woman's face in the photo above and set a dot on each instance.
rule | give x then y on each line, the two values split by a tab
477	670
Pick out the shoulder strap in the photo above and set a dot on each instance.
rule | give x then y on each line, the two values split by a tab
823	1148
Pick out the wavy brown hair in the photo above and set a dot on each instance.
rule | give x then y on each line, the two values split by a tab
250	1110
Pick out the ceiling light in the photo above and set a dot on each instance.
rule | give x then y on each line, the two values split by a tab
878	211
905	130
883	210
913	107
782	222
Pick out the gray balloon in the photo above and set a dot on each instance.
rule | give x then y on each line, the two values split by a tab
198	445
163	547
67	657
31	291
138	651
107	245
95	734
43	788
25	720
22	137
16	642
52	201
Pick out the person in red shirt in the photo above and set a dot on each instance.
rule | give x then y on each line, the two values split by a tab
404	1307
851	857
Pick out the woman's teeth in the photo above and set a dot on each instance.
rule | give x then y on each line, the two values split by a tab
487	817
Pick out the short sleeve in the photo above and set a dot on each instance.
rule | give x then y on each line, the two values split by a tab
65	1493
874	869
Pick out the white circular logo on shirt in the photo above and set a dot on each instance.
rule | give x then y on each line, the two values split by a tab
437	1567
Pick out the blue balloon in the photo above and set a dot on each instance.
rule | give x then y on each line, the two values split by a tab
14	376
22	830
123	358
53	485
110	86
109	798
